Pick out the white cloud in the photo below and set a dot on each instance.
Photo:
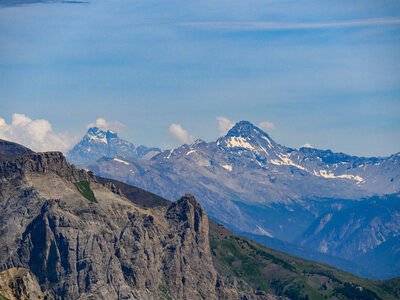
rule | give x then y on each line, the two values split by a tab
266	125
107	125
224	125
37	135
180	135
307	145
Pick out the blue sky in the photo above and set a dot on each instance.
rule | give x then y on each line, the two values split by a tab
323	73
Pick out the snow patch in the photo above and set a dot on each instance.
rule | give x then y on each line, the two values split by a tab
285	160
121	161
239	142
98	139
264	232
191	151
228	167
267	139
170	153
325	174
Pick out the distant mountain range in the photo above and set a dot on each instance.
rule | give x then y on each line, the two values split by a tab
251	184
366	232
98	143
68	234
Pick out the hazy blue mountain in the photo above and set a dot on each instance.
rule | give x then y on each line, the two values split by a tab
74	235
367	232
98	143
250	183
246	172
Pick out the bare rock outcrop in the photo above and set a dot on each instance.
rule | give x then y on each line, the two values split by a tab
108	249
43	163
21	284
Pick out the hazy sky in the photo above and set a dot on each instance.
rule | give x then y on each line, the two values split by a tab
325	73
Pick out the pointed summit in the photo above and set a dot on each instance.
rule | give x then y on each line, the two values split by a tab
242	128
98	143
245	129
244	135
94	131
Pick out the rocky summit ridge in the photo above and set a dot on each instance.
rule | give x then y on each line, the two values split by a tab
103	247
78	236
98	143
253	185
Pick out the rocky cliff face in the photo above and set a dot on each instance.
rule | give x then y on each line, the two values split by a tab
42	163
246	171
21	284
108	248
254	186
83	239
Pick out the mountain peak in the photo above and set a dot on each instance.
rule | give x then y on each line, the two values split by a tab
94	131
98	143
242	128
246	129
244	135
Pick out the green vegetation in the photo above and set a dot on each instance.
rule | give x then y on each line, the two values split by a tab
83	187
243	259
3	297
166	293
351	291
282	274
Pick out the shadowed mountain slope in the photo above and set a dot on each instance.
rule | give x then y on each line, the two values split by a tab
9	150
83	239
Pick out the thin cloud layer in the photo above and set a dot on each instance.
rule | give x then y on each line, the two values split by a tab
107	125
180	135
271	26
266	125
37	135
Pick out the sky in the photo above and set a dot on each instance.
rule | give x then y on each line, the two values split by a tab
161	73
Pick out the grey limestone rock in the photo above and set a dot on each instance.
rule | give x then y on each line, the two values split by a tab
109	249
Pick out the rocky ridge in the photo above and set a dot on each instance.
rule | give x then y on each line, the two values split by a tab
254	186
84	239
98	143
10	150
108	249
21	284
247	168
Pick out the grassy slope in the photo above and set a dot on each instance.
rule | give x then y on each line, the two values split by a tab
283	274
83	187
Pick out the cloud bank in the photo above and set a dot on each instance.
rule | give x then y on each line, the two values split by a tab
306	145
265	126
224	125
107	125
180	135
37	135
